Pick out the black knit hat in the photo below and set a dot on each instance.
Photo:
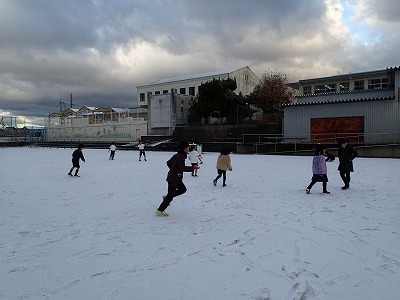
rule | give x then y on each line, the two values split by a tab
225	151
182	146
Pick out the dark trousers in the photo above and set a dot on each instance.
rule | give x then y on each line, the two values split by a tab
142	152
223	174
112	154
75	164
314	182
173	191
345	177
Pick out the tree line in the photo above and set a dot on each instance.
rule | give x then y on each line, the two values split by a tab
217	98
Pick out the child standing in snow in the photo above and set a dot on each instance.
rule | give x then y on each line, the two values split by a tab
194	158
176	187
76	155
112	149
319	170
223	164
142	152
346	154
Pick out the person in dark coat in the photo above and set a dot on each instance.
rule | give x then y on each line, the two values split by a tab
346	154
76	156
176	187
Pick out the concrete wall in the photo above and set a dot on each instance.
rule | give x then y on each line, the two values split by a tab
211	133
130	130
298	149
167	111
384	151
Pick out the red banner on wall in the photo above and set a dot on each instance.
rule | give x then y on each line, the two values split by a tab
330	130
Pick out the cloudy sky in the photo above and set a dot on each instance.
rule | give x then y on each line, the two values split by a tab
100	50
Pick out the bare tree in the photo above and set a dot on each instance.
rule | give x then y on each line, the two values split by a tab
272	92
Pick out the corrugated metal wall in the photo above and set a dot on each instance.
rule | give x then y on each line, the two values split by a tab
381	118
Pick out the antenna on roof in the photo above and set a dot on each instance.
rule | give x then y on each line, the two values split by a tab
61	105
344	71
71	100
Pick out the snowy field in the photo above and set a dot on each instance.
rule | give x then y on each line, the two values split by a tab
261	237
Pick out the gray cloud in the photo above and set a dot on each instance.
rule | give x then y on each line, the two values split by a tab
100	50
387	11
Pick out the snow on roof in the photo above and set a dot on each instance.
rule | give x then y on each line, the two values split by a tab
194	76
73	109
93	109
345	76
338	101
88	107
119	110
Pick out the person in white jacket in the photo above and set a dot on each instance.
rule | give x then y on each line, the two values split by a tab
194	158
141	151
112	148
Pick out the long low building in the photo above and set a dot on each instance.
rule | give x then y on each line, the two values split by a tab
97	124
362	107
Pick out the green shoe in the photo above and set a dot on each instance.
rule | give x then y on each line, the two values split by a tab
161	214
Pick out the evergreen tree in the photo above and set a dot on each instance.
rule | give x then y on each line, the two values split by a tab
216	96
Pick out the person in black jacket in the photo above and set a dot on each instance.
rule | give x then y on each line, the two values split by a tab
176	187
346	154
76	155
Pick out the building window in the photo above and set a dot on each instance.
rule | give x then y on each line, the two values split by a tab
319	89
192	91
379	83
359	85
142	97
165	91
157	93
325	88
246	77
306	89
330	87
344	86
182	91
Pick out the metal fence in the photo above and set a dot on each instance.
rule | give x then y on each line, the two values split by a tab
328	138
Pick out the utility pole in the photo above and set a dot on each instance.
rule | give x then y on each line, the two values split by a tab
61	106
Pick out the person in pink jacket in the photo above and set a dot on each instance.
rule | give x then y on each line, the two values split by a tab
319	170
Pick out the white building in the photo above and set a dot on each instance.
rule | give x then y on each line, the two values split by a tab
362	107
97	124
246	80
167	111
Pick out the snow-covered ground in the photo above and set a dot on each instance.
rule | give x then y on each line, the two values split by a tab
261	237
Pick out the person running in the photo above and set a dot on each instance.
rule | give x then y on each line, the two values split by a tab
194	158
142	152
223	164
319	170
176	187
76	155
112	149
346	154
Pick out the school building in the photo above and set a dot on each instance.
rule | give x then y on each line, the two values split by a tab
363	107
246	81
